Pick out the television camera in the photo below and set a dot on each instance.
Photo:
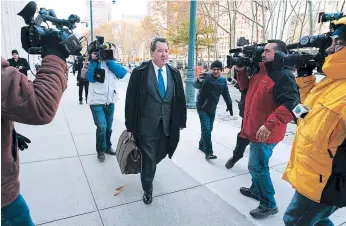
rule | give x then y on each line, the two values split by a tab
250	55
103	49
321	42
31	35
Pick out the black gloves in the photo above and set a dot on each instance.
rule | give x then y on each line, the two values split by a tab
22	142
51	44
305	71
230	109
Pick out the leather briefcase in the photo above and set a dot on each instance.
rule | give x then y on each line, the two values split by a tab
128	154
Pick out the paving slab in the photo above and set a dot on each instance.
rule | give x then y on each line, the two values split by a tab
228	190
192	161
86	143
49	148
105	178
197	206
56	189
58	127
90	219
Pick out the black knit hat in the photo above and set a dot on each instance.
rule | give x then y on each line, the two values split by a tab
216	64
15	51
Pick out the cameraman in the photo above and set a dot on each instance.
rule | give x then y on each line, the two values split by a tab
33	103
317	167
102	75
271	96
81	82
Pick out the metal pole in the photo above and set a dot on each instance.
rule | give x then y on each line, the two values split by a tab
190	78
91	22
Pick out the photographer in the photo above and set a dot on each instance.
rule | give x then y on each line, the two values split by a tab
317	165
271	95
20	63
102	74
33	103
81	82
211	87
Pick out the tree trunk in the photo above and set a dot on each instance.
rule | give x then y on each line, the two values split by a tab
277	23
234	19
310	17
256	7
302	25
253	24
264	24
283	19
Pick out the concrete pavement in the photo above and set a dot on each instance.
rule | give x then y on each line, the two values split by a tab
64	184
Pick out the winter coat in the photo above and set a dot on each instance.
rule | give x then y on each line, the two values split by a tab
317	167
271	96
135	99
24	101
210	90
104	93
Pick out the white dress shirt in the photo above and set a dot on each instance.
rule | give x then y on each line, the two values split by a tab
164	74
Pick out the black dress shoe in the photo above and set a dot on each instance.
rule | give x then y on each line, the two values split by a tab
101	156
246	192
110	152
147	198
80	102
210	156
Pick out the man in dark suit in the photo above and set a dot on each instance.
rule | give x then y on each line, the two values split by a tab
155	111
20	63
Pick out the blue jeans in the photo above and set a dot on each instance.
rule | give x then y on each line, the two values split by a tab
103	119
16	214
303	211
207	122
259	169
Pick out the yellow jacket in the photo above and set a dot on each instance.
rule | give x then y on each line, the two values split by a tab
317	166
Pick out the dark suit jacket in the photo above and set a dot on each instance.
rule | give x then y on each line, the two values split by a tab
136	94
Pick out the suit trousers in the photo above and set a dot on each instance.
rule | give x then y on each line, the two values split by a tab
154	149
83	84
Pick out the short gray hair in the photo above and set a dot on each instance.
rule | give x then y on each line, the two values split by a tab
154	41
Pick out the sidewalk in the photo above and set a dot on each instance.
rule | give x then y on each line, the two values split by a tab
64	184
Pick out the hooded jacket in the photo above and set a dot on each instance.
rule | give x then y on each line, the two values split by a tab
271	96
317	166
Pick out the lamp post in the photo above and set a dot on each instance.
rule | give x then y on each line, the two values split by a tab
91	22
190	78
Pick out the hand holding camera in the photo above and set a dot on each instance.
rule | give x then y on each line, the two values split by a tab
305	71
51	45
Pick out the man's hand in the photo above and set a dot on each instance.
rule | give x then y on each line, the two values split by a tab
305	71
230	109
239	68
263	134
22	142
200	77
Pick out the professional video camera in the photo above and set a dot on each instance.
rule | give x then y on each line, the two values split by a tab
322	42
246	56
103	49
31	35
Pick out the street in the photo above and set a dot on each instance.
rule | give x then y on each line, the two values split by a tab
65	184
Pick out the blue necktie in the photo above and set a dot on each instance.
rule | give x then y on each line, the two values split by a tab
161	84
